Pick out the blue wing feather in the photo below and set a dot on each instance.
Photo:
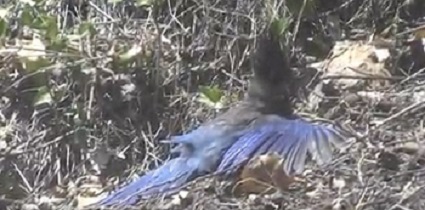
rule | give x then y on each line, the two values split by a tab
292	139
269	144
166	179
324	151
239	152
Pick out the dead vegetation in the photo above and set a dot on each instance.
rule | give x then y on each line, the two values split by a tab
88	88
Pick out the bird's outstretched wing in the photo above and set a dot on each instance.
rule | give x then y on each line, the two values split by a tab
166	179
294	139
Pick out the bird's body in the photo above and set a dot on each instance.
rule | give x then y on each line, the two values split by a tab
262	123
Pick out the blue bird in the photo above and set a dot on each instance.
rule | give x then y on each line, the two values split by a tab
262	123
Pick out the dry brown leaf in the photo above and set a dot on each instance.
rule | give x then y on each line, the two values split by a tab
263	174
420	32
354	60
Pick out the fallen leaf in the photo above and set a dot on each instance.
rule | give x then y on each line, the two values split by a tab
263	174
352	61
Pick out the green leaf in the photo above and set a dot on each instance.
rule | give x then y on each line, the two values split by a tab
27	16
58	44
3	27
43	22
43	96
279	26
213	94
51	27
87	28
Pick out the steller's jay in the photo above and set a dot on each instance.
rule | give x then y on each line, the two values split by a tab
262	123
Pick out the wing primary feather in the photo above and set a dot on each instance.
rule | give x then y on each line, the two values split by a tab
285	142
268	141
291	155
286	145
165	180
324	150
337	136
232	153
242	151
315	147
293	139
299	152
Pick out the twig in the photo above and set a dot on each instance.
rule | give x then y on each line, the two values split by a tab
416	106
371	77
410	77
16	153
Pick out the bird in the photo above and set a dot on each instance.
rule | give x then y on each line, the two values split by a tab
262	126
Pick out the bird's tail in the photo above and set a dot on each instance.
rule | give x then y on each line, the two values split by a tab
273	79
270	63
165	180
